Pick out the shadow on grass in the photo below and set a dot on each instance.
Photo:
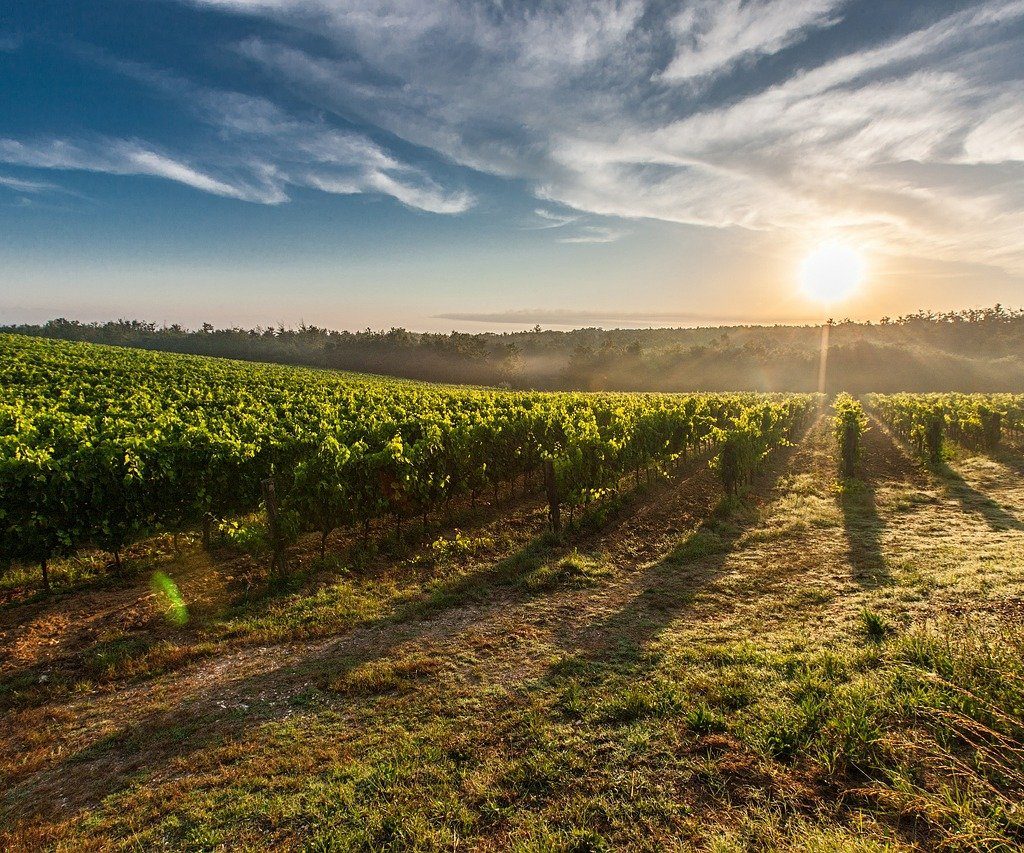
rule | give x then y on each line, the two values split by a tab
970	499
670	586
973	501
224	708
863	529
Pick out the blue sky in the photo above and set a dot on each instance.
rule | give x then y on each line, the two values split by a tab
457	164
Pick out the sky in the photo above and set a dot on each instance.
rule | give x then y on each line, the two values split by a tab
493	164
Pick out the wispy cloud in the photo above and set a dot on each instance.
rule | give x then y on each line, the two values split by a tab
553	219
601	108
10	42
715	35
594	234
574	227
25	186
122	157
257	154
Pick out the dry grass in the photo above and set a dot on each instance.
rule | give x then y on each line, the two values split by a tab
790	673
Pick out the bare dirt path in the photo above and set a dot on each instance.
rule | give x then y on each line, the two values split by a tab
244	685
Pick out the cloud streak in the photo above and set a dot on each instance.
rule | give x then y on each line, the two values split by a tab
603	108
25	186
716	35
114	157
258	152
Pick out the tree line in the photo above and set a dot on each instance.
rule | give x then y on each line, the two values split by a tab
970	351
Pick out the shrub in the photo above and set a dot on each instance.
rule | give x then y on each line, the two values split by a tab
848	425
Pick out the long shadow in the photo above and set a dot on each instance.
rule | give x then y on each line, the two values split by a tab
970	499
975	502
204	719
1011	457
220	712
863	530
34	683
671	585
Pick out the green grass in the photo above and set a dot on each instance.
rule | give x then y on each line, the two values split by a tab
813	669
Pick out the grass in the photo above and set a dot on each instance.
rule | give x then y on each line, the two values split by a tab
876	626
748	684
574	571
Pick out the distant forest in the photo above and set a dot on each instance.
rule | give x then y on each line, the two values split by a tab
976	350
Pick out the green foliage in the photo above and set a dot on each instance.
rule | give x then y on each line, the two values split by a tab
248	536
876	626
100	445
458	547
937	726
574	571
703	542
975	420
747	438
848	426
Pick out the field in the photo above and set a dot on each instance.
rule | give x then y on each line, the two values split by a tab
536	622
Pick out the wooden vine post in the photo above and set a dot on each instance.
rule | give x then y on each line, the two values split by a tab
277	569
551	484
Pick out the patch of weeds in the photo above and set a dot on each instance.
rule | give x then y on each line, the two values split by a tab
596	516
384	676
575	571
702	720
457	548
474	586
732	688
327	564
563	840
398	546
876	627
362	554
785	729
573	701
543	761
308	698
908	500
702	543
670	594
109	658
573	667
636	702
810	597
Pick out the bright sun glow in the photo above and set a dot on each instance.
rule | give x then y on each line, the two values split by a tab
832	272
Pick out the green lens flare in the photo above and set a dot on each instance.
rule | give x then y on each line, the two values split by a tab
167	591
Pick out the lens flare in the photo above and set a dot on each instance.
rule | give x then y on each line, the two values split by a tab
170	598
832	272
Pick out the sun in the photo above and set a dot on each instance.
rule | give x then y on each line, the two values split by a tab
832	272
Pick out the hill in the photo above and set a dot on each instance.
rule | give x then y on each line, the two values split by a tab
981	350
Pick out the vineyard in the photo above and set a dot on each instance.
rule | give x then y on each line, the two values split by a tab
492	620
102	446
979	421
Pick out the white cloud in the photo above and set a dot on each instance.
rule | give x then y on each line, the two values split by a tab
998	138
594	234
601	107
552	219
23	186
715	35
269	152
119	157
